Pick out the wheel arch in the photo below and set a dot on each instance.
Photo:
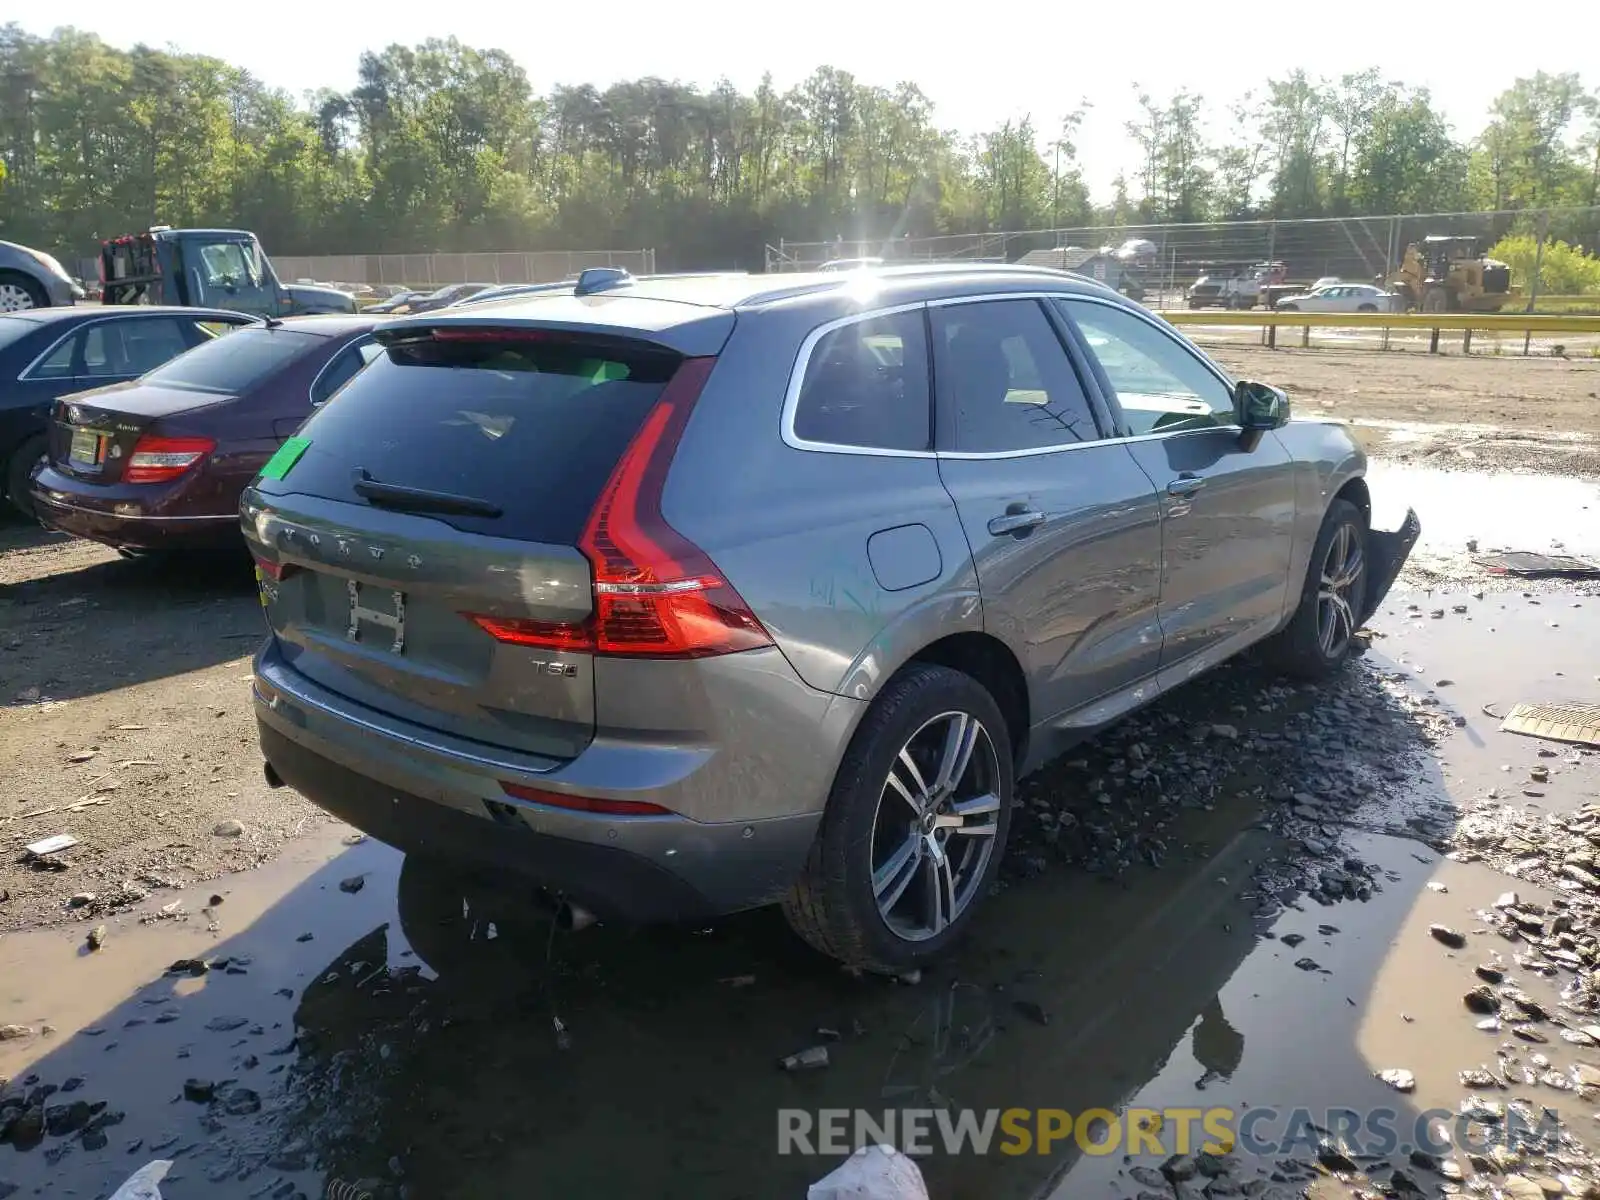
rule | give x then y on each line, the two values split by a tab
990	661
1356	492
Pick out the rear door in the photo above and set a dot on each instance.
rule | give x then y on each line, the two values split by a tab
441	496
1063	525
1228	513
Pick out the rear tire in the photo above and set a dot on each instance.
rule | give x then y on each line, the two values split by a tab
1319	637
18	293
19	470
887	889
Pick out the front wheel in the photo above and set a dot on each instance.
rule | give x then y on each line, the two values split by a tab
18	293
1318	639
914	828
1288	308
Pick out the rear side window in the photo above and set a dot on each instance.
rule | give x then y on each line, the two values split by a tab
1005	382
14	329
534	427
237	362
866	384
342	369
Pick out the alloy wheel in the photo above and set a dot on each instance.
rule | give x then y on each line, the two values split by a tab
1337	594
14	298
936	825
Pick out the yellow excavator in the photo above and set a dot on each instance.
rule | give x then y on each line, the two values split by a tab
1451	274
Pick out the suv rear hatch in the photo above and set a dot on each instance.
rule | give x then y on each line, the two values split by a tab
435	544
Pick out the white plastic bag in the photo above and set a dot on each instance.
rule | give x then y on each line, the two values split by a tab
144	1183
871	1173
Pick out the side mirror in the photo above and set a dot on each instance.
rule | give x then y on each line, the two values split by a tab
1260	408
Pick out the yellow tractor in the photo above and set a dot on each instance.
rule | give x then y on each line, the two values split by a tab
1451	274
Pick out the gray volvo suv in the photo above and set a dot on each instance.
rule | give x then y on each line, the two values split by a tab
677	596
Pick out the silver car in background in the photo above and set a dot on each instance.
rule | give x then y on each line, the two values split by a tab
680	596
33	279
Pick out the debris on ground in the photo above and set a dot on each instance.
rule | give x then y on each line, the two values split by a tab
1576	723
145	1183
872	1173
45	848
1529	565
809	1059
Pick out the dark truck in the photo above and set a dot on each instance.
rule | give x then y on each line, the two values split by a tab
206	268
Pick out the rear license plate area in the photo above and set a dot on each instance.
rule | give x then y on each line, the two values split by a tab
88	449
377	615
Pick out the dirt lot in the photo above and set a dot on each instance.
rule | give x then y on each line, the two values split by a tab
1539	414
124	689
124	715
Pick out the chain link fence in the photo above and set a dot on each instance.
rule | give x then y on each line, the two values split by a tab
435	270
1171	257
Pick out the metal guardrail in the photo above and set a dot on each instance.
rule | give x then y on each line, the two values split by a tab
1466	324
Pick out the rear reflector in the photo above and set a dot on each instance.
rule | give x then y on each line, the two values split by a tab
588	804
157	459
656	594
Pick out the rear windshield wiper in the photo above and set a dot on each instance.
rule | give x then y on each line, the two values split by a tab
420	500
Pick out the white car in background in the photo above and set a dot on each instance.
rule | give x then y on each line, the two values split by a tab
1342	298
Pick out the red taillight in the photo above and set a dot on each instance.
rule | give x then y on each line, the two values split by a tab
275	571
656	594
588	804
157	459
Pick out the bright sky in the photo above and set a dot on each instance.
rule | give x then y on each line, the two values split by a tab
979	65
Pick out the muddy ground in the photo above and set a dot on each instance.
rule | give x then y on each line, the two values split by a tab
1165	892
1481	412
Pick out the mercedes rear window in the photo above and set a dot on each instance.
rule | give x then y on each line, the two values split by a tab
235	363
530	425
14	329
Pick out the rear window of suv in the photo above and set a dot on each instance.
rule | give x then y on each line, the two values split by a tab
235	363
534	427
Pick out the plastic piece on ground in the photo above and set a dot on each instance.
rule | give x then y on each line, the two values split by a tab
871	1173
144	1184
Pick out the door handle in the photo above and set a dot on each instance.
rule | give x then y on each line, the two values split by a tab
1017	519
1186	486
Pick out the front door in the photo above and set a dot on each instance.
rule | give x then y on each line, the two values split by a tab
229	274
1063	525
1228	514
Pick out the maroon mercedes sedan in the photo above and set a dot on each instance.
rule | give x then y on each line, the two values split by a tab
159	463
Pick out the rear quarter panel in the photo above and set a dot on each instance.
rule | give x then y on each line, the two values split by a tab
790	528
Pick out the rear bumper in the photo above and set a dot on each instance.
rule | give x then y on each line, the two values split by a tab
121	518
405	788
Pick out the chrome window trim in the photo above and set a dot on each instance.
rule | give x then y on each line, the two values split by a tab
26	374
352	344
797	375
791	399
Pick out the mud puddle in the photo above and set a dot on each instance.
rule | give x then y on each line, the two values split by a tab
1292	1051
431	1039
1496	510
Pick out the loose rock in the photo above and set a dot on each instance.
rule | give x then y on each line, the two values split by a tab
1448	936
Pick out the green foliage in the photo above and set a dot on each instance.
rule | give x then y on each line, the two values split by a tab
1564	271
442	146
